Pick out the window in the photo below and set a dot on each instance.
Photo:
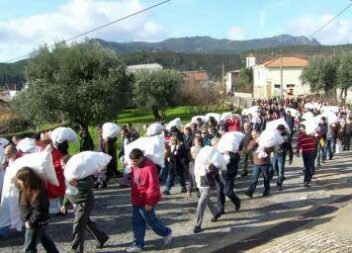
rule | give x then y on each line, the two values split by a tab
290	86
277	86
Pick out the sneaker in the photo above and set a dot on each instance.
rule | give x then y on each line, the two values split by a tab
306	184
101	244
134	249
166	192
265	194
216	217
279	188
238	206
197	230
168	239
248	194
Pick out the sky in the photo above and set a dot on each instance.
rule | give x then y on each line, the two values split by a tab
27	24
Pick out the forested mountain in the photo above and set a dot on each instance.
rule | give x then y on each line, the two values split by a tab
198	59
208	45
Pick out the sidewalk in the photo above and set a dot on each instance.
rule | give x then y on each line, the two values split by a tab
319	228
262	223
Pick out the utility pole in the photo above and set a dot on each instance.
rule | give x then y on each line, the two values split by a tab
223	73
281	77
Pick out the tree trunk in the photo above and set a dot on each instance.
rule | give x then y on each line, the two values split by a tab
156	114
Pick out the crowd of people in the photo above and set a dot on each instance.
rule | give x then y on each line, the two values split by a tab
319	131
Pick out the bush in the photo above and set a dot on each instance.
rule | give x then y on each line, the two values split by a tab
14	125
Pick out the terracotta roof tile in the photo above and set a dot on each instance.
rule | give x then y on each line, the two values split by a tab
287	61
197	75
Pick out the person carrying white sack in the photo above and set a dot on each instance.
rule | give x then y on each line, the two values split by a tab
261	164
79	171
208	163
42	164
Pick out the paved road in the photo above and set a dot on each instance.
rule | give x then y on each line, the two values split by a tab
260	223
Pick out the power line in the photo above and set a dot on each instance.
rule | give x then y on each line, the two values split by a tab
330	21
97	28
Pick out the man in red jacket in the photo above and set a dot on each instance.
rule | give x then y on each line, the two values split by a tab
145	196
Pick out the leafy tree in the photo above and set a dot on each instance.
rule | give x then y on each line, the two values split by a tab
321	74
245	83
156	90
82	83
344	75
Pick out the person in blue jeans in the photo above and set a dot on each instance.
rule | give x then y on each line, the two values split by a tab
34	209
261	166
145	196
330	144
322	141
279	158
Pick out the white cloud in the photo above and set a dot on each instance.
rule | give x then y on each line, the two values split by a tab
21	36
338	32
236	33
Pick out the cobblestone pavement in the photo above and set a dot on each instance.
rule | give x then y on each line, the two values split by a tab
312	242
112	213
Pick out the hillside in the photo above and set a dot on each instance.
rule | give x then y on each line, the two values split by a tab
208	45
14	73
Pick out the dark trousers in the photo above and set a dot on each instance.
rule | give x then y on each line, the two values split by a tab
308	161
257	170
35	235
227	184
346	142
246	158
171	178
82	223
140	218
330	147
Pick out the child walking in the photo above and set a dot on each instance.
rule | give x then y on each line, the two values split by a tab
34	209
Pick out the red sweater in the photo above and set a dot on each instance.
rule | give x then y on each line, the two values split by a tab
145	185
306	143
53	190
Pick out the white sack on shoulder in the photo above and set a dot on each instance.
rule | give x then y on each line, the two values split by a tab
294	112
230	142
152	147
27	145
110	130
3	142
155	129
268	139
254	111
216	116
41	163
85	164
206	156
225	116
334	109
312	125
195	119
62	134
2	157
307	116
272	125
174	123
331	117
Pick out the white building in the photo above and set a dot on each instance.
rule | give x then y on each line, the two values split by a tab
250	61
267	78
152	67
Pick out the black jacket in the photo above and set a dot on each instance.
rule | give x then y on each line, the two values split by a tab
36	214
